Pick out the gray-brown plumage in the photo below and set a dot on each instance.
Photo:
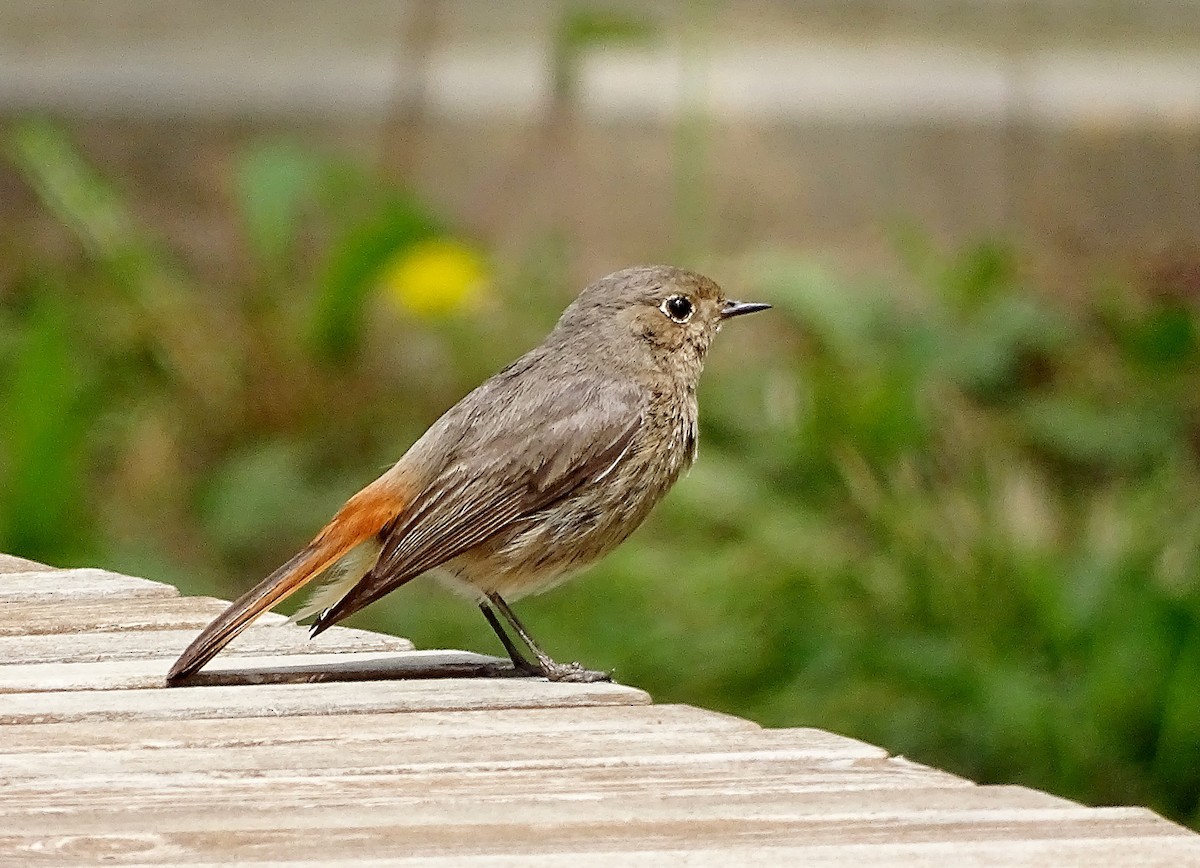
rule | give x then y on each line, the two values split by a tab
539	472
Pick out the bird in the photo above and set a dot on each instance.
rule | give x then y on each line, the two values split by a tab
536	474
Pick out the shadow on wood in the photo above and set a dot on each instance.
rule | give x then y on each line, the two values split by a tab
408	666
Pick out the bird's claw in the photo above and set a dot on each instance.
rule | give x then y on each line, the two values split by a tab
572	672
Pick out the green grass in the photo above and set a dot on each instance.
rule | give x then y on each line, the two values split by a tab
950	517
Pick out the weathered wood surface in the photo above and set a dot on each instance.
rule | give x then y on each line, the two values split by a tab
150	644
120	615
14	564
386	765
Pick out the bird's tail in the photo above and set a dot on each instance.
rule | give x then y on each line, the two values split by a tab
362	518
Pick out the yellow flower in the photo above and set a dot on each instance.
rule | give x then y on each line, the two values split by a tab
435	277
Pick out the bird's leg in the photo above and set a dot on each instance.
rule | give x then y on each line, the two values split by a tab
518	659
549	669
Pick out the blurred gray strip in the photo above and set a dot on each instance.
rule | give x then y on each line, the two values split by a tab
766	82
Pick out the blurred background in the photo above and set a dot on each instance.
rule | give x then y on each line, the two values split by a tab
948	498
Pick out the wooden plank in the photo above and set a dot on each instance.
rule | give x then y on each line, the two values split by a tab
102	615
516	724
281	700
1105	828
85	647
350	666
14	564
402	755
396	807
1158	852
507	770
47	586
716	777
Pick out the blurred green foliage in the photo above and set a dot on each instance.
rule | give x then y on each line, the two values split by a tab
961	520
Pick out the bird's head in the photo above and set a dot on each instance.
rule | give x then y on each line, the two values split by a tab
668	313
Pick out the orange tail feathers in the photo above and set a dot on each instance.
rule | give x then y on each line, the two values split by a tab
362	517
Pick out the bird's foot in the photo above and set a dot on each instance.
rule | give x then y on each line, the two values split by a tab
572	672
524	667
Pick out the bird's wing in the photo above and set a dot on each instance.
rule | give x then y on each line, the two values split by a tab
521	447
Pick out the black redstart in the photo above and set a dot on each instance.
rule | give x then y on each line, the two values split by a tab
539	472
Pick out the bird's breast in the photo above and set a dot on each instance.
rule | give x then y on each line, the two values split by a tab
537	551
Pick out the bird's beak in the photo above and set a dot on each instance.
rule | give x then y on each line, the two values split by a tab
737	308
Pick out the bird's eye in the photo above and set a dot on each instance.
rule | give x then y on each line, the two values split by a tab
678	307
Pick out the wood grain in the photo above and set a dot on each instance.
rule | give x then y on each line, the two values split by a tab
70	585
513	724
131	645
504	835
717	777
234	670
139	674
119	615
345	751
280	700
395	806
475	754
